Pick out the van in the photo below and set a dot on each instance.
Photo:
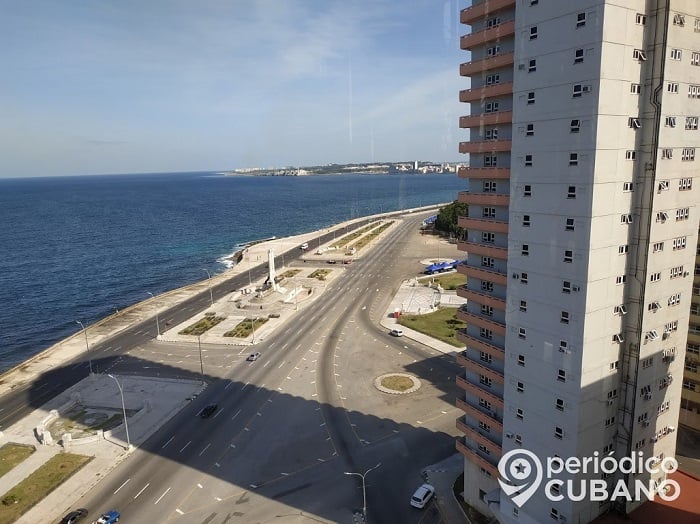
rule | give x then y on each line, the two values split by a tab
304	246
396	333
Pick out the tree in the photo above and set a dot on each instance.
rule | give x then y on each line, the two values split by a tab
446	221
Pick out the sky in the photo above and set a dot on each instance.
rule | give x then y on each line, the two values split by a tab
96	86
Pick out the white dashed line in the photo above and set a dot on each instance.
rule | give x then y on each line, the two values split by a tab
185	446
163	495
205	448
168	442
237	413
142	490
120	487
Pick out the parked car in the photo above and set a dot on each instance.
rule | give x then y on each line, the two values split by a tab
422	496
208	411
253	357
74	516
304	246
110	517
396	332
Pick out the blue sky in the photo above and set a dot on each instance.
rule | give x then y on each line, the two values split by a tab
93	86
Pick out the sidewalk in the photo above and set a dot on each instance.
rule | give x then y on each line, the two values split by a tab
442	477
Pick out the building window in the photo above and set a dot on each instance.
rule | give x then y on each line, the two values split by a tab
526	220
485	357
661	216
491	107
623	249
564	346
688	154
559	433
561	375
486	310
533	32
626	219
519	413
488	212
523	278
678	272
488	238
635	89
620	310
531	98
695	59
640	19
488	262
520	387
578	56
528	160
634	122
679	20
676	54
630	154
569	224
685	184
486	333
493	51
523	306
658	246
666	154
486	286
571	191
559	404
564	317
693	91
532	66
568	256
627	187
493	79
575	126
527	190
580	20
490	160
609	421
674	299
530	130
489	186
683	213
485	381
521	358
639	54
672	87
493	22
566	287
614	366
485	427
525	250
655	277
621	279
491	134
679	243
670	121
691	123
577	90
573	161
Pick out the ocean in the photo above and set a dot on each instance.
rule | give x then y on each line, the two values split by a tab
79	248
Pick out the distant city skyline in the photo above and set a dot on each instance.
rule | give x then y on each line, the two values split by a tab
96	88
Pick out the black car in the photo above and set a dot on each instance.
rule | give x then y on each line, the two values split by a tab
208	411
74	516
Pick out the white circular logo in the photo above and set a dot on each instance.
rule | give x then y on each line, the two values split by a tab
521	475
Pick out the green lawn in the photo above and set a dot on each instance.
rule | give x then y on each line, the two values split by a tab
442	324
448	281
245	327
12	454
202	326
36	486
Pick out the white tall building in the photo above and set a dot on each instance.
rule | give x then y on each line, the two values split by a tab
580	237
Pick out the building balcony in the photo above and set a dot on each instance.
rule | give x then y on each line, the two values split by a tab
483	274
483	199
487	35
486	119
481	298
477	391
485	146
473	365
485	250
478	345
480	321
473	456
491	418
485	8
486	173
481	93
487	64
483	224
477	437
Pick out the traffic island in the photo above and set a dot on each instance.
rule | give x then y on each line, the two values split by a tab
397	383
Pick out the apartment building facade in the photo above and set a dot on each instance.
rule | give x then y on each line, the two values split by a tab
583	124
690	400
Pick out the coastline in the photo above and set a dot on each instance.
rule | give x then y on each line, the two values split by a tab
57	354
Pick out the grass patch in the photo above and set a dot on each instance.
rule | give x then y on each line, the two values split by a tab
371	236
441	324
352	236
473	515
36	486
397	383
320	274
202	326
12	454
245	327
290	273
449	281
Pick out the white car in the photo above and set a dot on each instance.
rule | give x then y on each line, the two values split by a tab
396	333
422	496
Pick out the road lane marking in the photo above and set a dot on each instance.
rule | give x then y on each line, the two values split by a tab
237	413
205	448
266	363
120	487
200	486
179	511
142	490
183	449
163	495
246	385
219	412
282	364
228	385
117	348
168	442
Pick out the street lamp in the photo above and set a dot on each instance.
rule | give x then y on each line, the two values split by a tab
157	323
364	490
126	425
252	326
201	362
211	294
87	347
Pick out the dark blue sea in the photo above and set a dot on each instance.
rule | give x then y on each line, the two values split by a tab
79	248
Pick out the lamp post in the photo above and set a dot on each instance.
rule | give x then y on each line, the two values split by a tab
87	347
252	326
364	489
157	322
126	424
201	362
211	294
